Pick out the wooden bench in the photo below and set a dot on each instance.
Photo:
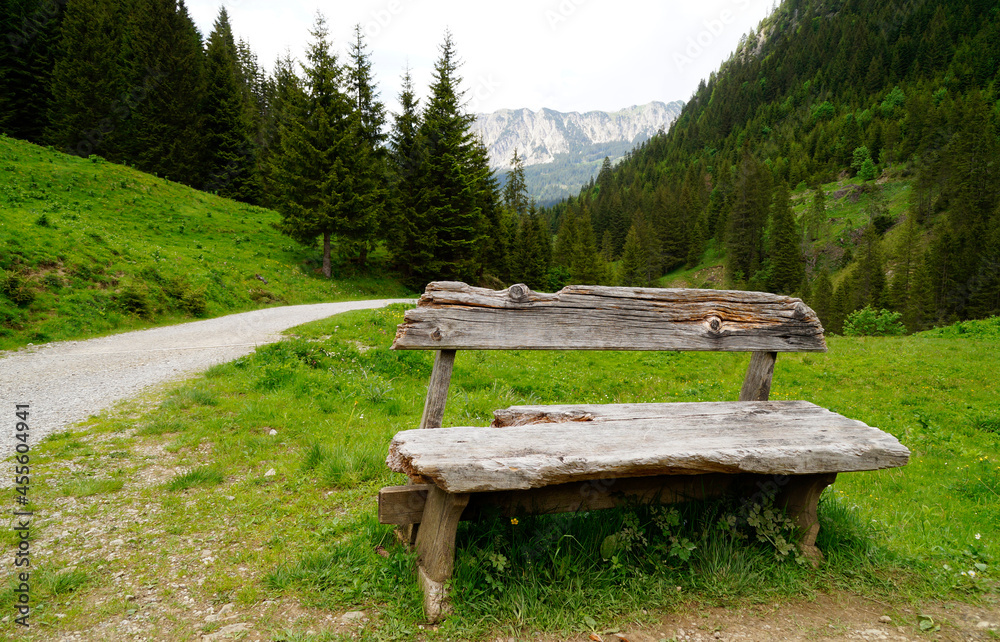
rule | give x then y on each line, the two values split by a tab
548	459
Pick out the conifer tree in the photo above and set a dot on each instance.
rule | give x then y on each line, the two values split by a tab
312	185
787	268
492	256
450	196
408	237
515	192
586	265
365	161
165	62
869	277
88	101
901	288
816	219
532	252
230	165
29	38
745	239
562	252
822	298
634	261
285	99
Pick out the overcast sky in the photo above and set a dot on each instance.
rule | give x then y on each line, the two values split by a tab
567	55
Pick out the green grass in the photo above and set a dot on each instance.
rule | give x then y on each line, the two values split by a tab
202	476
91	247
334	395
88	487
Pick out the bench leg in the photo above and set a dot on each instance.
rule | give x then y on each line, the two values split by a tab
436	547
800	497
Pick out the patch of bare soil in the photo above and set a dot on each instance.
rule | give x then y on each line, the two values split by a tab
834	617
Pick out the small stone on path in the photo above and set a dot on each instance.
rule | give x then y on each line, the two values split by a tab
352	616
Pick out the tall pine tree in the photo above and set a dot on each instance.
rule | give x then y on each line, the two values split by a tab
230	163
309	172
365	162
89	98
449	192
787	268
29	38
408	238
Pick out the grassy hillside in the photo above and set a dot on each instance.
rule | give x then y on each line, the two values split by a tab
295	436
90	247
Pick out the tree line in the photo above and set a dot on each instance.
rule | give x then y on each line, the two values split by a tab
134	82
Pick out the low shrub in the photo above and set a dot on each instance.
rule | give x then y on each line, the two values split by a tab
873	323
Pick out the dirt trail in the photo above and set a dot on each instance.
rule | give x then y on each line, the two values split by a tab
67	381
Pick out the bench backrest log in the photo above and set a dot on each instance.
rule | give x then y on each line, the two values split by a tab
454	316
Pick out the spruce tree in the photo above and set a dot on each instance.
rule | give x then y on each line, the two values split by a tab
285	98
308	171
230	163
29	38
816	219
408	237
787	267
869	277
634	261
822	298
164	58
365	162
492	258
515	192
449	194
745	238
89	98
901	288
586	265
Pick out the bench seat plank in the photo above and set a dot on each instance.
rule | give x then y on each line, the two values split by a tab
777	438
456	316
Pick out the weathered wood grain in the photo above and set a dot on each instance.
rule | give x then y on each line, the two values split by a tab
437	390
695	411
436	546
757	383
403	505
800	499
454	316
752	437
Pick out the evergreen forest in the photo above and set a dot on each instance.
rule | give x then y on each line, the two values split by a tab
893	105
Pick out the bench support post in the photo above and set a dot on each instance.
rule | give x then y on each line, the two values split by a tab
437	391
436	547
799	498
757	384
437	398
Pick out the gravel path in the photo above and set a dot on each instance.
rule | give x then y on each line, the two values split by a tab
68	381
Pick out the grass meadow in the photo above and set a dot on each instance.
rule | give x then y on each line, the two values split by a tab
273	463
91	247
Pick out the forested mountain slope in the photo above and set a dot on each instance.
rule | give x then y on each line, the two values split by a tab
867	93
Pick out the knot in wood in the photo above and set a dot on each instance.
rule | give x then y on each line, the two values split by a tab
518	293
801	310
436	335
714	324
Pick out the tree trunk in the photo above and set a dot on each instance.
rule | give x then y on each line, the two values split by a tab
327	270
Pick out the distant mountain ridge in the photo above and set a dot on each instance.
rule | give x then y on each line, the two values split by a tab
562	151
540	136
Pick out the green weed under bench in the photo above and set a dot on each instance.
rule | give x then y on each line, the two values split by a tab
559	458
